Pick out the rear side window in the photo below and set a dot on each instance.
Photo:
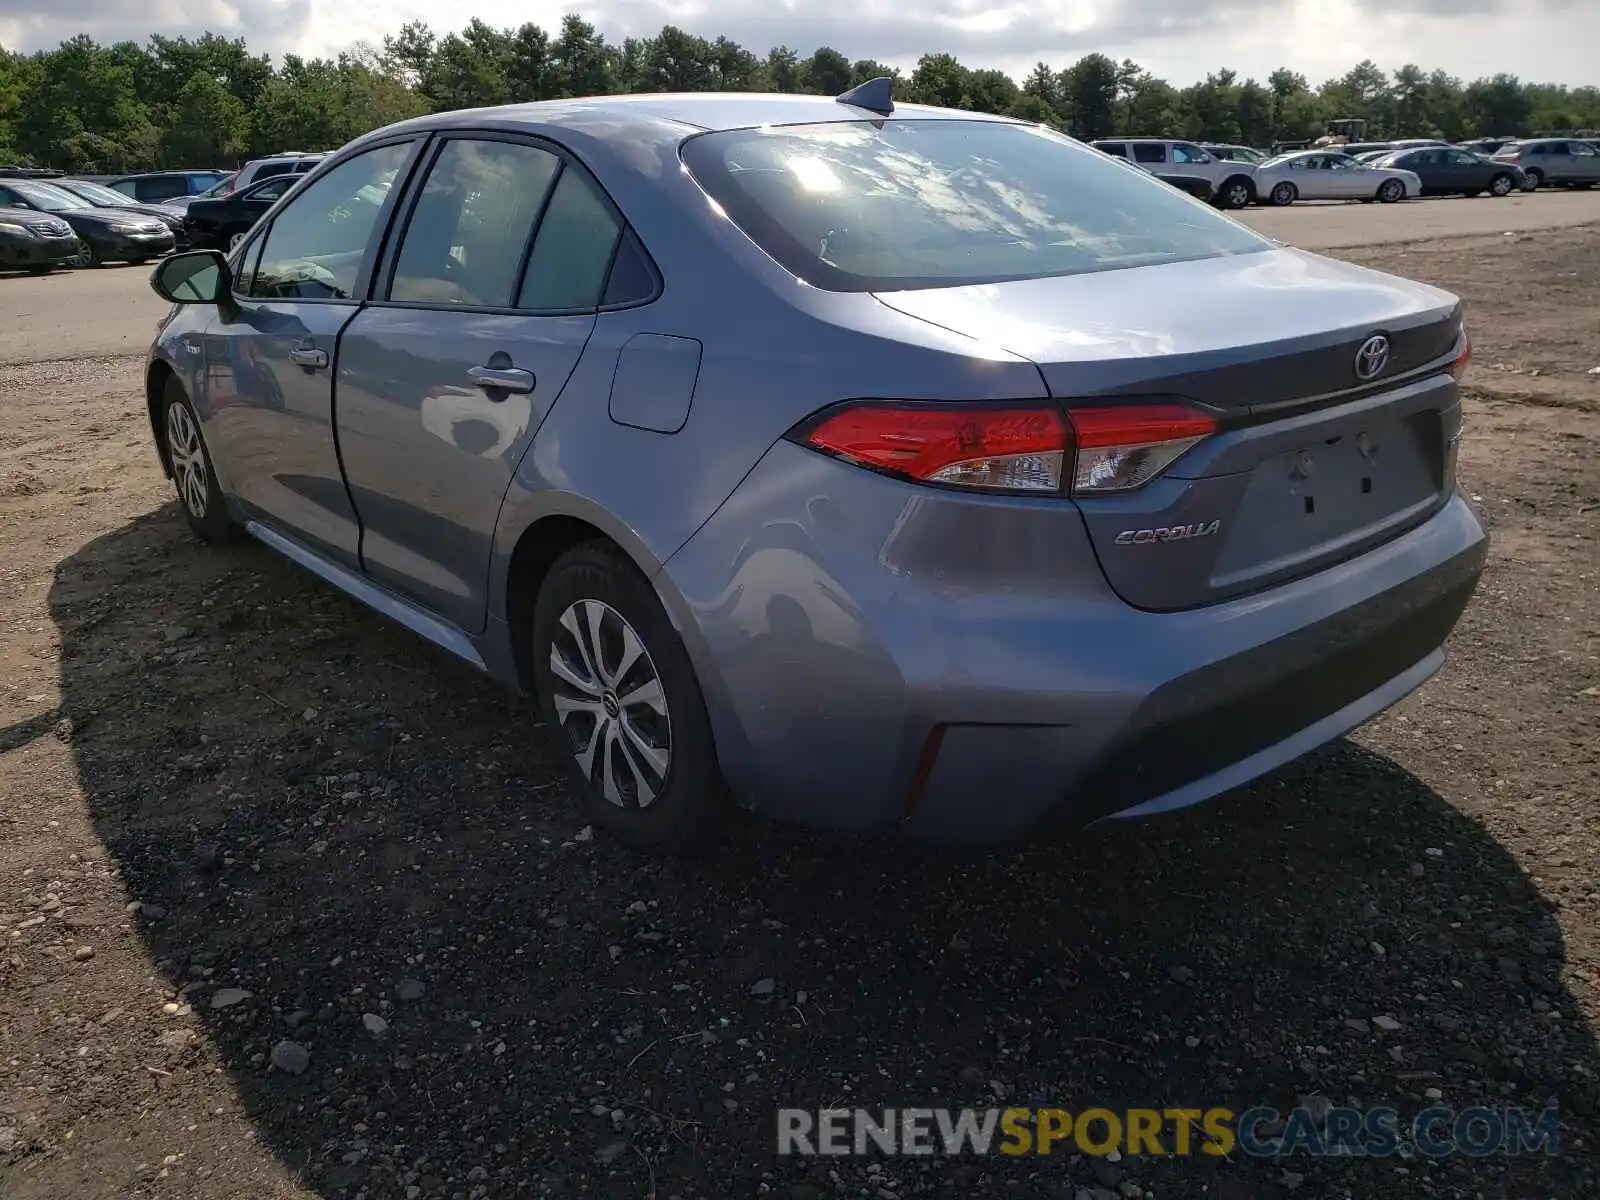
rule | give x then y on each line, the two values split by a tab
1113	148
160	187
573	249
265	170
881	206
464	241
125	186
1149	154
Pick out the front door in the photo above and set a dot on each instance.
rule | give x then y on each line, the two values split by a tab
270	400
1584	164
472	334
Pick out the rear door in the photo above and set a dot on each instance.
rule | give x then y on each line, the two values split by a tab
271	397
474	328
1585	162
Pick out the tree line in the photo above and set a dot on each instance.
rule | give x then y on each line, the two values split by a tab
208	101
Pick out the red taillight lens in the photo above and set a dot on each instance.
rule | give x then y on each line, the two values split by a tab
991	447
1125	447
999	448
1458	368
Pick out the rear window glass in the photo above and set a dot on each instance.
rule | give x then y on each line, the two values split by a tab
881	206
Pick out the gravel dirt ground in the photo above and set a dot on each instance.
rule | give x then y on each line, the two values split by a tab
291	906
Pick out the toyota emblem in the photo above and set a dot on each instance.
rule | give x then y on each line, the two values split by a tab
1373	357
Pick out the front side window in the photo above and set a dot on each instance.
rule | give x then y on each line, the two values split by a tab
464	241
1580	148
269	191
125	186
1189	154
316	245
886	205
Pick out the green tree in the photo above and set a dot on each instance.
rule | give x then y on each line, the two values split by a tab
1090	89
209	125
826	72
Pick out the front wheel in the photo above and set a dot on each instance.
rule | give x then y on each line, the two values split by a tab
192	473
1501	185
1235	193
616	685
1282	194
1535	179
1390	191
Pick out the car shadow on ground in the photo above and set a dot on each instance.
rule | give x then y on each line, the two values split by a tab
373	844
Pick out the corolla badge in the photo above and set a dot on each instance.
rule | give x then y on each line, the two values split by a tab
1167	533
1373	357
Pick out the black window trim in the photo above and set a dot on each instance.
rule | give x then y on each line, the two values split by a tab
376	248
383	275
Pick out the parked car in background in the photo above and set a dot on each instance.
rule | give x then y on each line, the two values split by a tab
1371	156
221	187
1230	153
1447	171
258	169
1173	504
156	186
101	196
1330	175
1559	162
1484	145
36	242
220	222
29	173
1356	148
1192	185
108	234
1232	184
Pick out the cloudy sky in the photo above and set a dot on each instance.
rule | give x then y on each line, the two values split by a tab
1180	40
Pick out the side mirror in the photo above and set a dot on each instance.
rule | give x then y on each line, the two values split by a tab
194	277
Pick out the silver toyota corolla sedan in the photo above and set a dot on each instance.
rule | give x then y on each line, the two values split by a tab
869	464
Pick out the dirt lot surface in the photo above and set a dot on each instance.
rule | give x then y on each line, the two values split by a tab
237	812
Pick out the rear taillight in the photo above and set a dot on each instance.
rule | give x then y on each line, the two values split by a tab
1509	157
1458	367
1124	447
1000	448
989	447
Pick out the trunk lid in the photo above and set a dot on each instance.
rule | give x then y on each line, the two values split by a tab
1313	463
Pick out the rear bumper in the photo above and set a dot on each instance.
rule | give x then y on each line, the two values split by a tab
859	674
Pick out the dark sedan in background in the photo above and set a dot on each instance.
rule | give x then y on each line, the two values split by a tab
1448	171
99	195
220	223
35	242
108	234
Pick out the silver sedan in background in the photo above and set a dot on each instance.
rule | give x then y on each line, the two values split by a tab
1331	175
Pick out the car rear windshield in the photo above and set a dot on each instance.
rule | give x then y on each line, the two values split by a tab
889	205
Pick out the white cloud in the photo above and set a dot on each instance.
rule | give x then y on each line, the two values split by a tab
1179	40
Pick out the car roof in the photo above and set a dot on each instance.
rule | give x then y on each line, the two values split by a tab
692	110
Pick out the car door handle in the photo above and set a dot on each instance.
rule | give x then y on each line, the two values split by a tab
498	379
308	356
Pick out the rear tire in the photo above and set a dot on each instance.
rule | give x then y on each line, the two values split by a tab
1502	185
1390	191
617	689
184	449
1283	194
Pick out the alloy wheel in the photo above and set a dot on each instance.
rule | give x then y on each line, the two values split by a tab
188	457
610	704
1238	196
1501	186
